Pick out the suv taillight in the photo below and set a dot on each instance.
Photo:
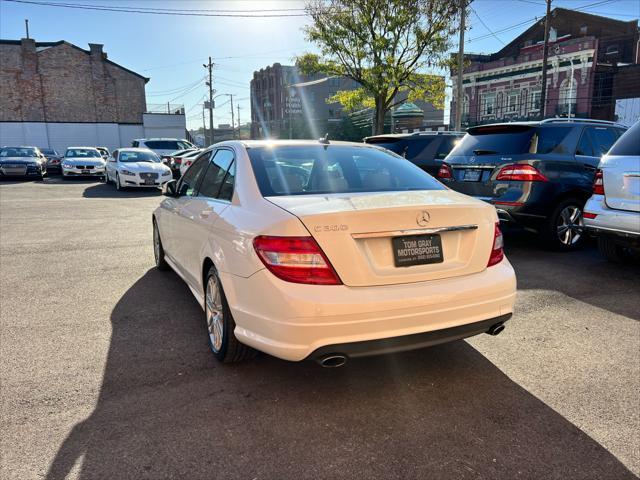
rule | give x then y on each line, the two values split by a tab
521	172
598	183
296	259
497	250
445	172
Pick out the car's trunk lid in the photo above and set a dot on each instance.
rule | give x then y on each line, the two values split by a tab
621	175
356	232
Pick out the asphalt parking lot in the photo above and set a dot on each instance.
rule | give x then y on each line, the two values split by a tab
105	370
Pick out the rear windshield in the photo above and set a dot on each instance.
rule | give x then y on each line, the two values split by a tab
498	140
18	152
311	169
513	140
166	145
82	152
133	156
628	143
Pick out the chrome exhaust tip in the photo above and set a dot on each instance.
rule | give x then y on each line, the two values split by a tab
333	360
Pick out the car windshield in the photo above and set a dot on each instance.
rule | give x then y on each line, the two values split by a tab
132	156
319	169
48	151
172	145
83	152
18	152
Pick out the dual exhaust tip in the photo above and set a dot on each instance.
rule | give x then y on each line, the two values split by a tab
335	360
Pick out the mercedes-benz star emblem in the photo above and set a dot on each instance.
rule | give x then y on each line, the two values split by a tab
423	218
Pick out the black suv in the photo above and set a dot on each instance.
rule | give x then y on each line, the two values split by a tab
424	149
538	174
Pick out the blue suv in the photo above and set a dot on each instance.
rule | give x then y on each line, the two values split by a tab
538	175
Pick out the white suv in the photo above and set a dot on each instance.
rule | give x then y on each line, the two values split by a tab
612	213
162	146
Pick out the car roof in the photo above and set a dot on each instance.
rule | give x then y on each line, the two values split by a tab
278	143
19	146
160	138
135	149
86	148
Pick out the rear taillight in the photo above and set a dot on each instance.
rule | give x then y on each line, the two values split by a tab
445	172
296	259
497	251
598	183
521	173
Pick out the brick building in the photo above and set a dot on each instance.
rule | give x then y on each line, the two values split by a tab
55	94
60	82
585	52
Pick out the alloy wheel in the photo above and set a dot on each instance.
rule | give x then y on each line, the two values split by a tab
214	313
570	225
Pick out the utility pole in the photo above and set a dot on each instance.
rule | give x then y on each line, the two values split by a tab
204	125
233	122
209	67
460	93
239	131
545	54
26	24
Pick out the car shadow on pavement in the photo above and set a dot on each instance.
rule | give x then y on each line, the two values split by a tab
572	274
167	409
103	190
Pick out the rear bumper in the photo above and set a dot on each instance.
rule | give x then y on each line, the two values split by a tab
620	224
292	321
408	342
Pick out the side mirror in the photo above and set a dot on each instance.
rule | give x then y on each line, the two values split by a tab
170	189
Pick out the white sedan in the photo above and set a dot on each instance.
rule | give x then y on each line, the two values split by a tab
136	167
82	162
330	250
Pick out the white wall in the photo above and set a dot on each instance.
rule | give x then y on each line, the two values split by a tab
110	135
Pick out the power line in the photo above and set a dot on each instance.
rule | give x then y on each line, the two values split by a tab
485	26
148	11
172	91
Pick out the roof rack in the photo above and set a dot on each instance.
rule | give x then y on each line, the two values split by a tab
581	120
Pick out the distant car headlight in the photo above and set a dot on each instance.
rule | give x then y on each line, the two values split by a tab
166	173
67	165
126	172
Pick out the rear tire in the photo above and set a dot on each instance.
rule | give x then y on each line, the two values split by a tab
158	251
220	324
118	186
611	250
564	230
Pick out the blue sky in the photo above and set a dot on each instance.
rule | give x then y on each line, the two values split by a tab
171	49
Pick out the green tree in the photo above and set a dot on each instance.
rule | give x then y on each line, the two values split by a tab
385	46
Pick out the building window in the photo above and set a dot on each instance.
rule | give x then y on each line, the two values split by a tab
465	106
512	104
568	95
534	101
488	104
612	50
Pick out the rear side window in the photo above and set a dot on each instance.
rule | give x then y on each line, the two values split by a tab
602	139
629	142
319	169
551	140
213	180
584	146
189	181
496	140
166	145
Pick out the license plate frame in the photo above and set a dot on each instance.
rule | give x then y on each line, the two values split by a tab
411	250
472	175
149	181
85	172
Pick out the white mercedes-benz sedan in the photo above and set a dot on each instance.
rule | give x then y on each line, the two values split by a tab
330	250
136	167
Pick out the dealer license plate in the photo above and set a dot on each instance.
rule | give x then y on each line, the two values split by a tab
417	250
149	181
85	172
472	175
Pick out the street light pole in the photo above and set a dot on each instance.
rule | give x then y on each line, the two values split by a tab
460	93
209	67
